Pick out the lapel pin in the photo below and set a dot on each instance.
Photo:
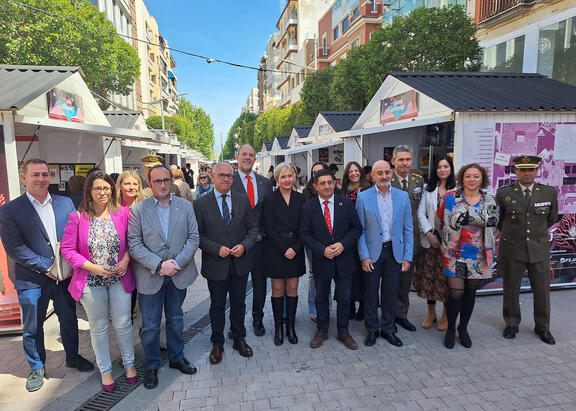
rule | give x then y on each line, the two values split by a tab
340	204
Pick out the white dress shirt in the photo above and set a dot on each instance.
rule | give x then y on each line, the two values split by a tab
330	207
46	214
386	209
245	183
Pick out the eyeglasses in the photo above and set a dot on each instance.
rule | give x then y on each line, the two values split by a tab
103	190
203	178
163	181
224	176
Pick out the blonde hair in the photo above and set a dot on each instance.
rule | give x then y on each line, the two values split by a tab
125	174
282	167
177	173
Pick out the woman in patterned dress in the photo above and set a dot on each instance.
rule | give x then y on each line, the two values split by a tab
429	279
469	217
94	243
354	181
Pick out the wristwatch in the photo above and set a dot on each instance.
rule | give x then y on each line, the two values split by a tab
159	266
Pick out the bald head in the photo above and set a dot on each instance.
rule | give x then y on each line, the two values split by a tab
382	175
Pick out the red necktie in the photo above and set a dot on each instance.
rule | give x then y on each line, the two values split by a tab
250	191
327	216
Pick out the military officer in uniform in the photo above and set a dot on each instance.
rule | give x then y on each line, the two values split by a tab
404	179
146	163
527	210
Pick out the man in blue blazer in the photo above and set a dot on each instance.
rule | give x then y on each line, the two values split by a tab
385	249
31	226
329	227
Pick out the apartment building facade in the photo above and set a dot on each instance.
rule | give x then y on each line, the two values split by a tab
346	25
529	36
251	102
268	77
298	37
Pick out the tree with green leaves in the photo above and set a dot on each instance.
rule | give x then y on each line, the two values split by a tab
241	132
316	94
427	39
202	136
30	37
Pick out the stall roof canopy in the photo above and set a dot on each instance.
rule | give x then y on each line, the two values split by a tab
302	131
283	141
340	120
467	91
20	85
269	145
122	119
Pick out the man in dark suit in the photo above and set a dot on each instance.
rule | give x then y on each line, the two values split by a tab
228	232
385	250
31	226
257	188
527	210
405	179
330	228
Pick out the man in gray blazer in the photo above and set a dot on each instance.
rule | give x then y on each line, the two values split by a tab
163	238
257	188
228	231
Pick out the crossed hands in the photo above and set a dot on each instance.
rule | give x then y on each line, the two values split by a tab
333	250
169	268
235	251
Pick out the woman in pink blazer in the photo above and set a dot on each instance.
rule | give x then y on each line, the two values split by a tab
94	243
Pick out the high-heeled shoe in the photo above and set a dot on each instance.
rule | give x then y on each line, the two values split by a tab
108	387
132	380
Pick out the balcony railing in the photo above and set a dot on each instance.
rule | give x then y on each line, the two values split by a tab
487	9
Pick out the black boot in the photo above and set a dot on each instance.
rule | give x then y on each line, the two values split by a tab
468	301
452	310
291	305
277	309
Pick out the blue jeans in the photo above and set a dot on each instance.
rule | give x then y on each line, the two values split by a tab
169	298
33	305
101	304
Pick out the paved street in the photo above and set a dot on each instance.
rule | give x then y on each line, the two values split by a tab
495	374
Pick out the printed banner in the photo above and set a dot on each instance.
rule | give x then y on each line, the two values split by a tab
399	107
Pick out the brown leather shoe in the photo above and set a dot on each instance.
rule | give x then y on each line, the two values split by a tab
216	354
348	341
318	339
243	349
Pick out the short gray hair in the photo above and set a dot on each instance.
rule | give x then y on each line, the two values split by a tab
402	148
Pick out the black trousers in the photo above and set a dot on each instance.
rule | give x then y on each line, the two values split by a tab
235	286
342	295
259	282
384	278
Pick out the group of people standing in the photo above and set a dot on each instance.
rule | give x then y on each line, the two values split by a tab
373	238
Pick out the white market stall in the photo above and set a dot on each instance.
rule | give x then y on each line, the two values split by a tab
486	118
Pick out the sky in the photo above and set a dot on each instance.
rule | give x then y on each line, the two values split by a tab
230	30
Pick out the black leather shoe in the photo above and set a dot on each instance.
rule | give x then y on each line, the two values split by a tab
465	339
80	363
183	366
259	329
150	379
392	339
545	336
510	332
371	338
450	339
404	323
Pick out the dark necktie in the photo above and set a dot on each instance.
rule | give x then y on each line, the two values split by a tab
527	193
225	210
404	185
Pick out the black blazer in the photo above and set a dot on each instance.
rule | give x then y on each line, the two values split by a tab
281	224
264	187
315	235
214	234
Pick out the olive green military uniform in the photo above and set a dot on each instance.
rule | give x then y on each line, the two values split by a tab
147	163
525	246
414	187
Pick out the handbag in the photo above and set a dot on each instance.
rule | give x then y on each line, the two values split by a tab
61	269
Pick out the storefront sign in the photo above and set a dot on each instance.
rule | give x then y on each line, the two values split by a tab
65	106
399	107
83	169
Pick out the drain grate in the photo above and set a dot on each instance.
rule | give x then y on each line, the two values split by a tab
107	400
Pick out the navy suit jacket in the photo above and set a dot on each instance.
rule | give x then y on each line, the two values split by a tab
264	188
26	241
346	230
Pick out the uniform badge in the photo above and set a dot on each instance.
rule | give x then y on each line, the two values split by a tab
340	204
507	198
513	201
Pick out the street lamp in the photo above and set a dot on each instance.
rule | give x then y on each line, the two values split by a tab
162	106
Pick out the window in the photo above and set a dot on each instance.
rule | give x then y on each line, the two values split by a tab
355	14
373	8
556	51
345	25
355	43
507	56
324	45
336	33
